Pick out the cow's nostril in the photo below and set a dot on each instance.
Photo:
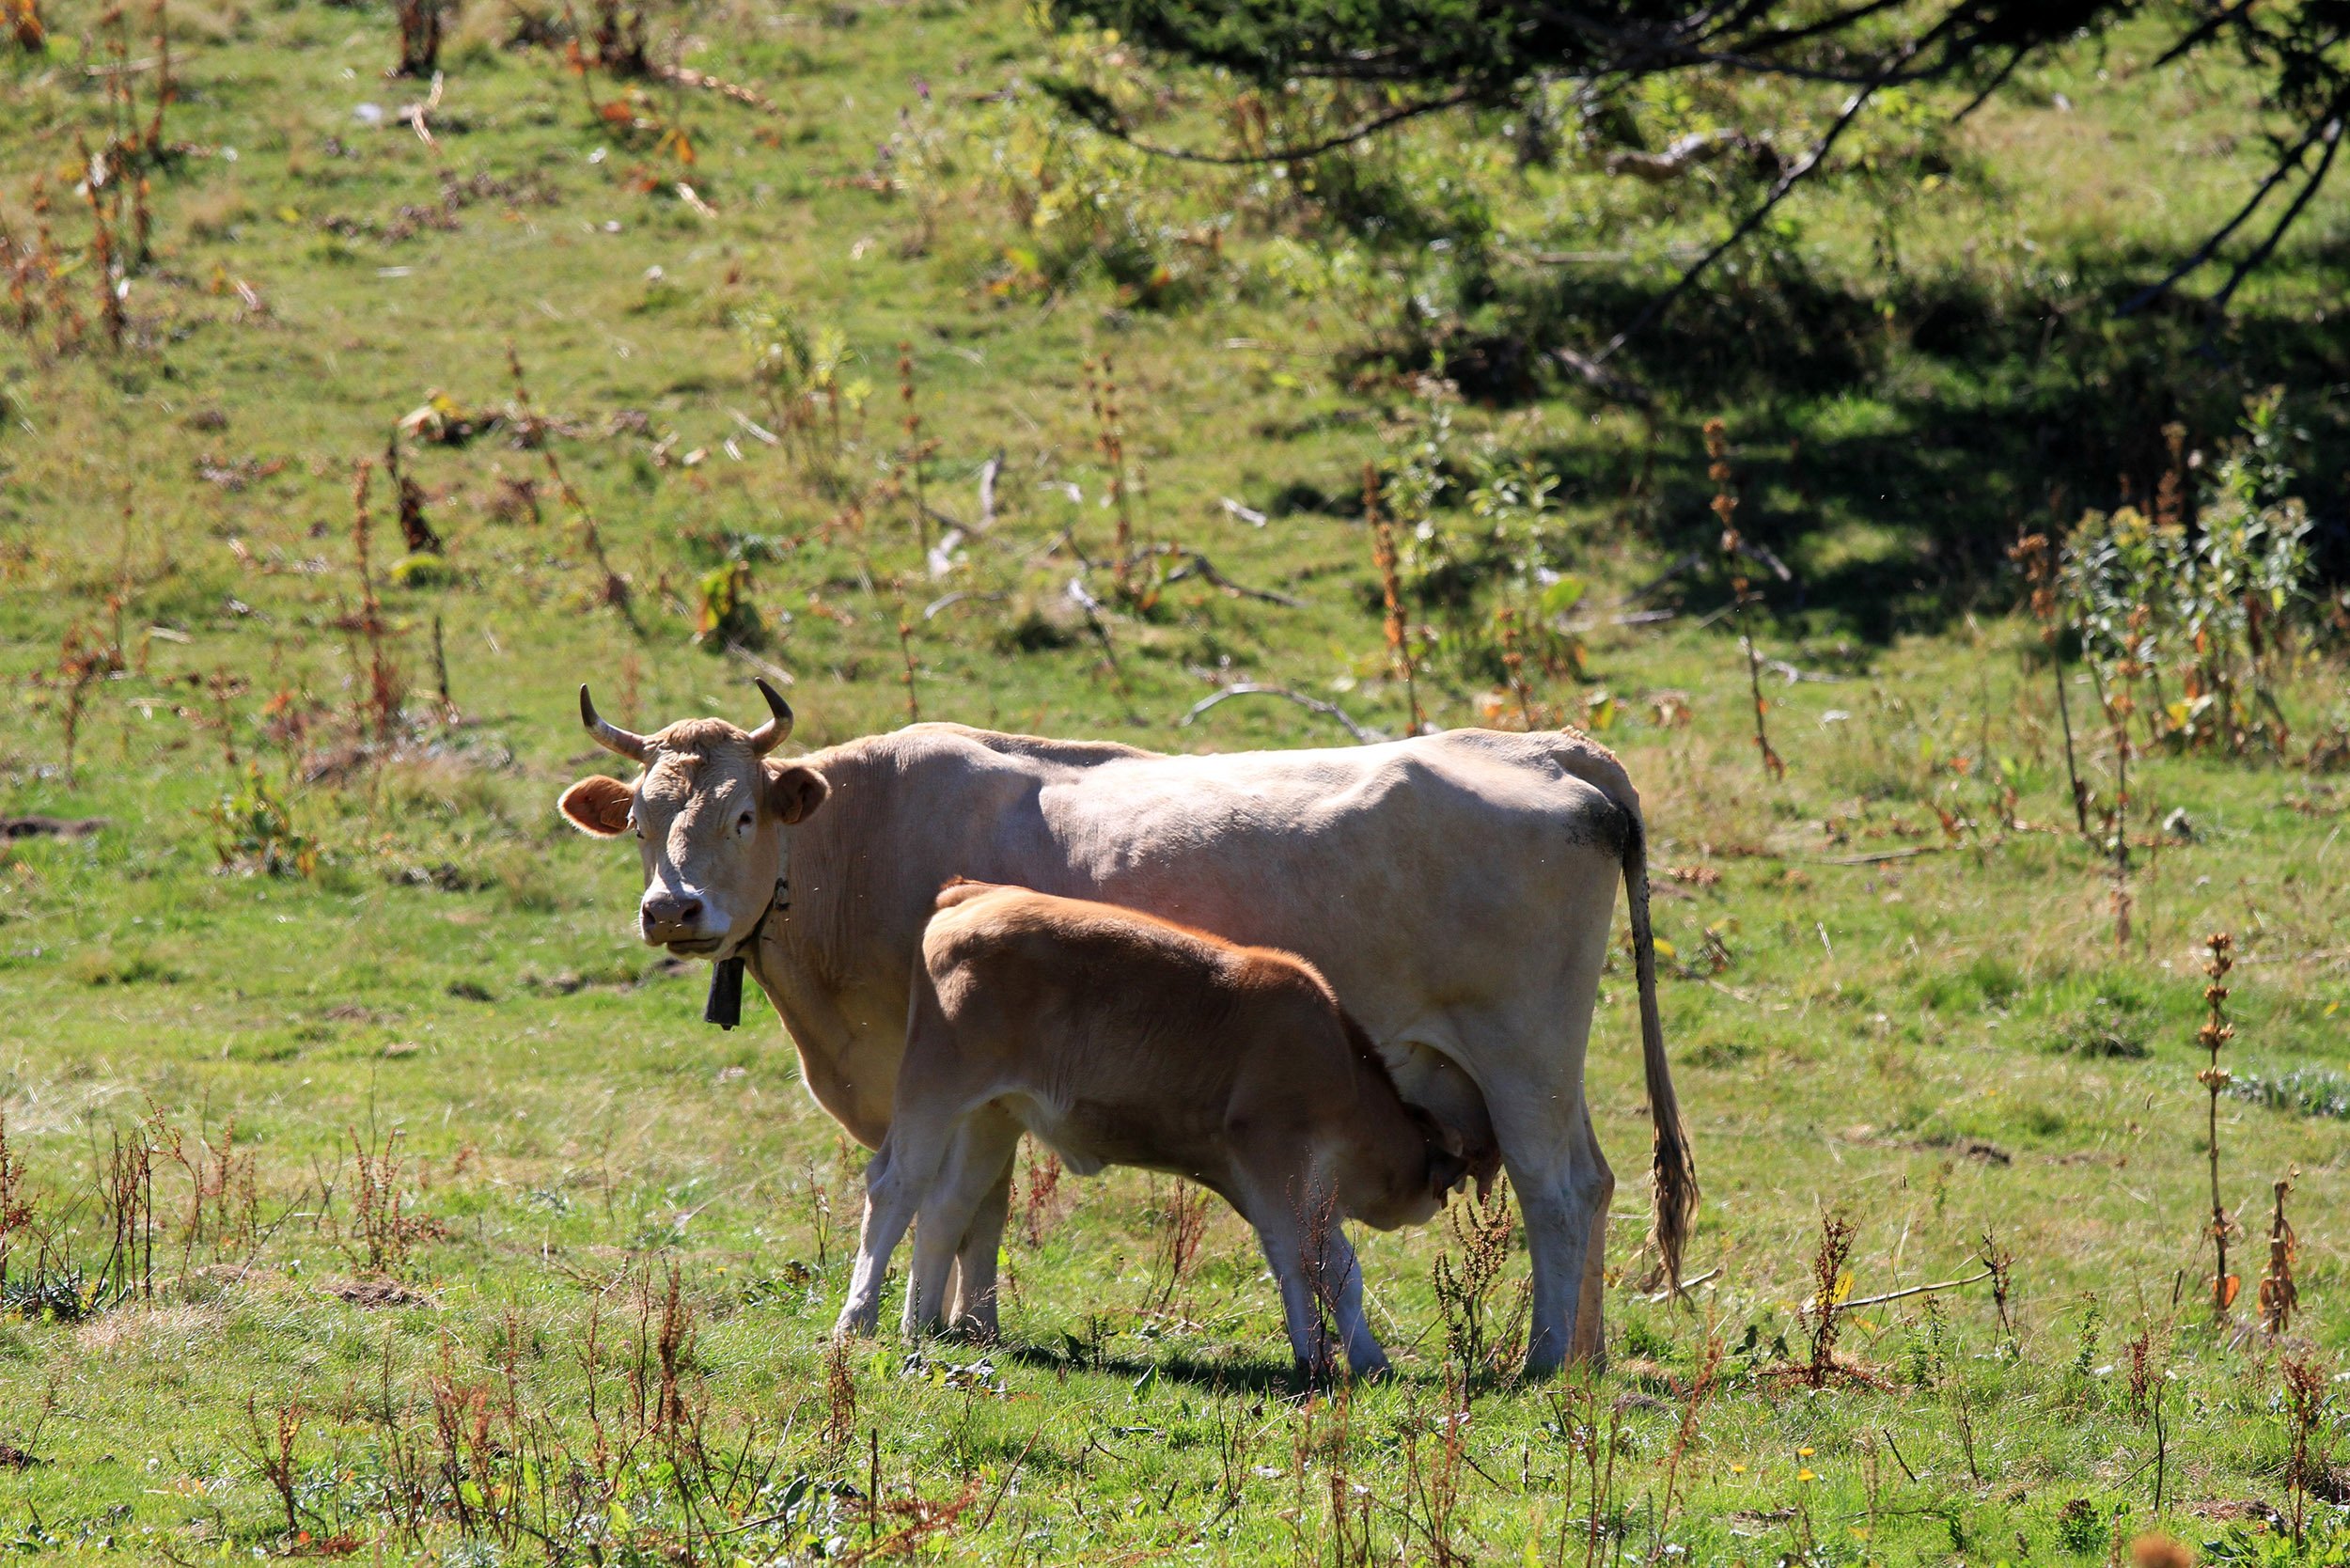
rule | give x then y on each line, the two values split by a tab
667	911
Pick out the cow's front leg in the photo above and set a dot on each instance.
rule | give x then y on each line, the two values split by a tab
1564	1186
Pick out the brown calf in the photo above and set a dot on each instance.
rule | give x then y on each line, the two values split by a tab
1120	1038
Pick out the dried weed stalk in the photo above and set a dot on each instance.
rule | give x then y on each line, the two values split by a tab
910	461
1831	1283
1183	1225
1436	1462
1110	439
839	1396
532	431
1467	1293
2213	1036
2037	557
272	1453
16	1208
2307	1394
1694	1399
1399	631
1741	594
2279	1296
383	689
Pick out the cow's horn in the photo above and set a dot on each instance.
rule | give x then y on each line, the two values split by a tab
611	736
771	735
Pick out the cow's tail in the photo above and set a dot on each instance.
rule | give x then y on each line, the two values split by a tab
1675	1200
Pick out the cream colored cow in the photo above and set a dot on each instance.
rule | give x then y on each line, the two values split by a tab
1456	890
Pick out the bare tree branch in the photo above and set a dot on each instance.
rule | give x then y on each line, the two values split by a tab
2286	165
2267	247
1753	220
1116	129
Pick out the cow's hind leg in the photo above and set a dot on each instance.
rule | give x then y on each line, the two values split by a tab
1564	1186
1563	1193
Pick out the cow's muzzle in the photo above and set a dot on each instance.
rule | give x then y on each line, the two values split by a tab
680	922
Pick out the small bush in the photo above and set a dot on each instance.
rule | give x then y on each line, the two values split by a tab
2101	1026
108	966
525	881
253	833
2309	1090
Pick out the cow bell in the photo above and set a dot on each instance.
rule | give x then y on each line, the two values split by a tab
725	1005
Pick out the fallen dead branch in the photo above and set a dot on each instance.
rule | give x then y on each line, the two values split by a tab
1915	1290
1878	858
50	828
1789	673
1196	564
1312	704
1685	1286
767	667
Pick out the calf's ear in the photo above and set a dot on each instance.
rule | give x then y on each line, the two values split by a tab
794	793
598	806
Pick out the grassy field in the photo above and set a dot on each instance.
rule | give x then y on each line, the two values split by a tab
470	1243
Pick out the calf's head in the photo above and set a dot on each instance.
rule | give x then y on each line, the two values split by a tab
1407	1161
708	812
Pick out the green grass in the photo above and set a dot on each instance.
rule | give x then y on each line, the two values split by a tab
1945	1046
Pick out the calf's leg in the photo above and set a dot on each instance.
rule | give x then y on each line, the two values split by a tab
900	1177
972	1287
948	1231
1294	1216
1339	1279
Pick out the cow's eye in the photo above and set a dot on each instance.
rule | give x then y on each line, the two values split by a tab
744	826
633	823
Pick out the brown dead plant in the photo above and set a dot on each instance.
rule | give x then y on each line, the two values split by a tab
1399	631
2307	1399
2213	1036
2279	1296
1479	1335
1725	505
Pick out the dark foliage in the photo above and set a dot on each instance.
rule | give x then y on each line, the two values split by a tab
1440	54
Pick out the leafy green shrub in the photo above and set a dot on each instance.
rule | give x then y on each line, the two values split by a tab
2101	1026
2310	1091
2080	1529
253	832
2207	602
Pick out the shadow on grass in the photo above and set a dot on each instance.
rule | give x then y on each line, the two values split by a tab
1245	1375
1891	445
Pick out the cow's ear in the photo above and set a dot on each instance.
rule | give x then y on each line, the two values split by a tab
598	806
794	793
